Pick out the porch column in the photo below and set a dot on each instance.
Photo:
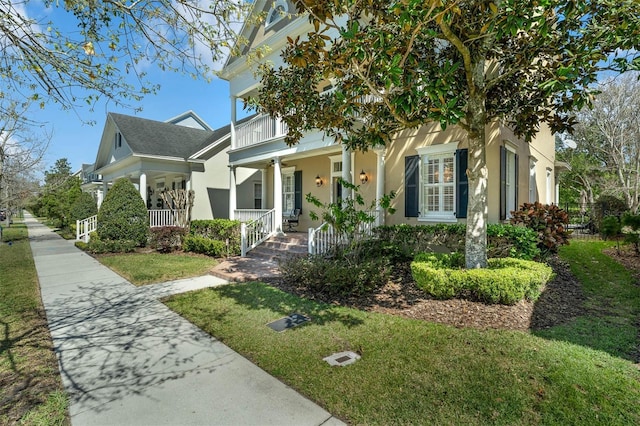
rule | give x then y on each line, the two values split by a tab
232	192
233	124
380	175
105	188
143	187
346	170
277	195
99	197
263	196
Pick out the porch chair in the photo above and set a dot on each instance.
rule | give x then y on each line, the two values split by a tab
291	220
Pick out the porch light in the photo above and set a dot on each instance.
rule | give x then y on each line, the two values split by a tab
363	177
318	181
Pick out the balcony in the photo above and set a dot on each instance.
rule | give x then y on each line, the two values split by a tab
260	129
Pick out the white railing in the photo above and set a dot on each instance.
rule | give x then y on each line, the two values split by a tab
158	218
254	232
85	227
259	129
324	237
247	215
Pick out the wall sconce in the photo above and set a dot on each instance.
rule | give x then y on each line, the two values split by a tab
363	177
318	181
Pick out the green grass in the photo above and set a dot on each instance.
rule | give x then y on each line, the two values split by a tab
416	372
30	386
612	305
148	268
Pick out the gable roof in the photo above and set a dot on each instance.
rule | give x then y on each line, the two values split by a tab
183	118
156	138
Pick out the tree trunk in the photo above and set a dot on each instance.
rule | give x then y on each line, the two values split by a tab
475	249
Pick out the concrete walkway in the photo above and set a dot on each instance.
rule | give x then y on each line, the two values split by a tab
126	359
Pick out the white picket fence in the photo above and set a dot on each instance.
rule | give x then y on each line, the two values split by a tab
324	237
85	227
157	218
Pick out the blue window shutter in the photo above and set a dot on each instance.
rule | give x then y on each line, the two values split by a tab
503	183
297	196
462	182
411	185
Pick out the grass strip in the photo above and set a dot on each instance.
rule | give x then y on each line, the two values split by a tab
30	387
416	372
149	268
612	306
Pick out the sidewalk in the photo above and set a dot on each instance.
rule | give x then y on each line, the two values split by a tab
126	359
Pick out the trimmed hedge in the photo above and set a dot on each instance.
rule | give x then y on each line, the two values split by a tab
405	241
167	238
215	237
505	281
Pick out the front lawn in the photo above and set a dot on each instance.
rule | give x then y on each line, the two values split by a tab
30	386
149	268
414	371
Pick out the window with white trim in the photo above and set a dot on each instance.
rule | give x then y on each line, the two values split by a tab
510	181
277	12
533	195
288	190
437	182
257	195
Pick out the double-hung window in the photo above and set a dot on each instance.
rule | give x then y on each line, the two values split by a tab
508	181
436	186
291	189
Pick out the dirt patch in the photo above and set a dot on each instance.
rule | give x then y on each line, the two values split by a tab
559	303
627	257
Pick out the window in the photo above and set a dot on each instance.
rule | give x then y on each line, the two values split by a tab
277	12
533	193
257	195
550	191
118	140
436	185
508	181
336	175
291	190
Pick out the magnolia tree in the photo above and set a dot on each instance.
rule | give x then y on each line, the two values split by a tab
399	65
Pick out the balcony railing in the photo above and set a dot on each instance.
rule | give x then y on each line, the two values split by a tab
259	129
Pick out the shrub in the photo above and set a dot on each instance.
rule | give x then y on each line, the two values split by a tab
222	230
123	215
402	242
97	245
504	281
610	227
204	245
631	230
335	276
607	205
167	238
83	207
549	221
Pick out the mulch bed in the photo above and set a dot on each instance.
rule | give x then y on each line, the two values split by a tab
560	301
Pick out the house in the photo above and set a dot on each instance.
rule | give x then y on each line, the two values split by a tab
180	153
425	167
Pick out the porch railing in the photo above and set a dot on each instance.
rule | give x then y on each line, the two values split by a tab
255	231
161	217
325	237
85	227
259	129
247	215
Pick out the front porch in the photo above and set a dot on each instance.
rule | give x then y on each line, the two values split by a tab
157	218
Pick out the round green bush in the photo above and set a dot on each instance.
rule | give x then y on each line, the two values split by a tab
123	215
83	207
505	281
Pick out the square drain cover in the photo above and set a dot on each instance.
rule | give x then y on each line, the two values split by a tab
291	321
342	358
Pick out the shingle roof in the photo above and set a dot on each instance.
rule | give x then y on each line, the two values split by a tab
149	137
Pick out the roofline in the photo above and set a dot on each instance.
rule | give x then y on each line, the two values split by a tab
195	115
211	146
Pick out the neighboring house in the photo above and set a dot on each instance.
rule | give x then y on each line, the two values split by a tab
181	153
425	167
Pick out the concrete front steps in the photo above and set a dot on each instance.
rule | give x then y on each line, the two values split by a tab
262	261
